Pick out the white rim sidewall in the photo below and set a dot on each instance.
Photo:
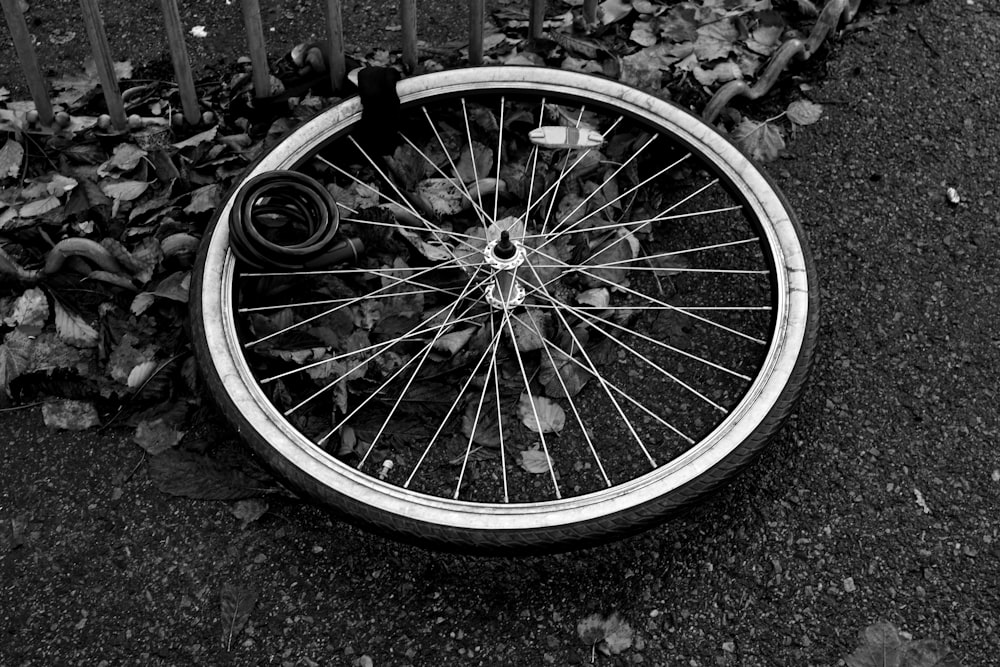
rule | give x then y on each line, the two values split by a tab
217	310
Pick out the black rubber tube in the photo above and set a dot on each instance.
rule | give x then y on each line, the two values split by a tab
289	203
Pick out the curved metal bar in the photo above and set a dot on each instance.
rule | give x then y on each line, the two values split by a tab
836	12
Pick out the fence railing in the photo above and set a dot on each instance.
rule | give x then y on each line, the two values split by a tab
835	12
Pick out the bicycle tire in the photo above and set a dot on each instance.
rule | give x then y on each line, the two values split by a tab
549	525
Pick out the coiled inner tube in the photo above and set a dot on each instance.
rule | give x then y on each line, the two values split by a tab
287	220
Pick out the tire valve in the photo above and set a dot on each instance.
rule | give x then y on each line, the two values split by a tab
386	467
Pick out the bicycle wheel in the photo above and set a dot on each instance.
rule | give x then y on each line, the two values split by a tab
579	309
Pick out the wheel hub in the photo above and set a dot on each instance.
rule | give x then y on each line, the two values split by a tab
505	256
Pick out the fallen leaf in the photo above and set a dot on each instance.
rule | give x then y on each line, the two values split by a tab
38	207
535	461
205	198
561	377
644	33
804	112
761	141
474	164
441	194
248	510
598	297
174	287
453	341
540	414
11	156
928	653
591	629
715	40
617	635
156	436
237	604
198	139
881	646
72	328
141	373
487	427
15	357
126	157
31	309
70	415
191	475
611	11
610	636
59	185
529	329
124	190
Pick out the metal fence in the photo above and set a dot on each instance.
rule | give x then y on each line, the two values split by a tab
835	12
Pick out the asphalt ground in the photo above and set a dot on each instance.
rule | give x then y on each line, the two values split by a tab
878	501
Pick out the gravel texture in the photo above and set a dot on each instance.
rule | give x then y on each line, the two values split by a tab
879	500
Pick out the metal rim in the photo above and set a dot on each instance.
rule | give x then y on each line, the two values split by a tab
791	289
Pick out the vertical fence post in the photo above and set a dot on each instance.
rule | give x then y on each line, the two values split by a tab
536	19
477	16
335	33
408	19
258	52
182	65
105	64
29	61
590	12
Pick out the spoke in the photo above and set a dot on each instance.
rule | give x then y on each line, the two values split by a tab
609	179
496	390
633	225
412	228
600	378
561	232
583	313
378	348
472	153
490	369
667	269
647	297
603	308
572	404
381	290
425	354
347	208
652	364
534	408
562	174
378	193
499	159
534	159
673	253
433	229
328	302
625	395
456	182
447	416
678	216
389	380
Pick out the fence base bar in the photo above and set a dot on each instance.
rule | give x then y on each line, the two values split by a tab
105	64
179	57
477	16
408	21
258	51
335	33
